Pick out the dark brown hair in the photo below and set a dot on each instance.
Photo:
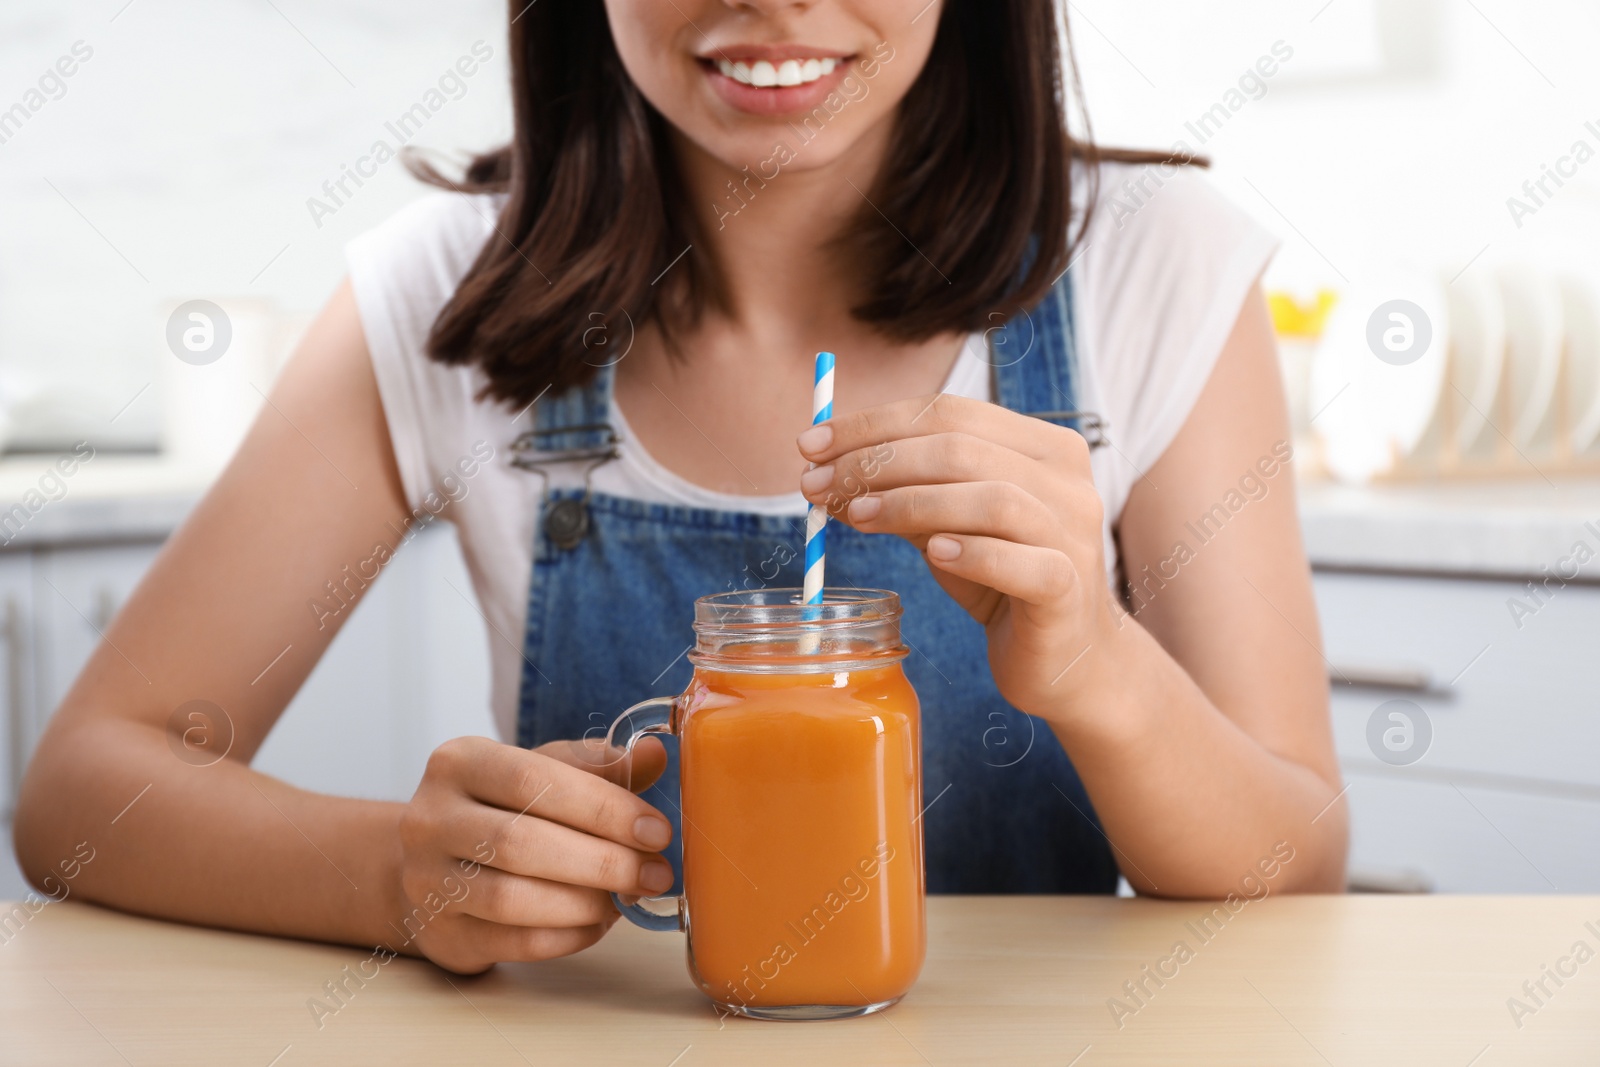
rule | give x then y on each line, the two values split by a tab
974	195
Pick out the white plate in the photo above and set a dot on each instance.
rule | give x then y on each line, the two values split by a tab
1580	305
1478	327
1533	345
1368	412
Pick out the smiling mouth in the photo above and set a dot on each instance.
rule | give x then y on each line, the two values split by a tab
765	74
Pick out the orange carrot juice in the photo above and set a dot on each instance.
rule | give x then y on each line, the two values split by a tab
802	850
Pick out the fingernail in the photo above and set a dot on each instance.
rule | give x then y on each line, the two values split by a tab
652	831
815	439
943	548
817	479
865	508
656	876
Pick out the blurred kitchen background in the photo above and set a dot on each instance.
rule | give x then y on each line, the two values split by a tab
1432	166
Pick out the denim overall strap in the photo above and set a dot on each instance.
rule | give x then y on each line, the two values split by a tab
610	604
1035	360
576	420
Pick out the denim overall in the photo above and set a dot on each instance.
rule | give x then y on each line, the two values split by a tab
611	602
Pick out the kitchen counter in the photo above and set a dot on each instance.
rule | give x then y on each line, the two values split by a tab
1507	529
1419	981
1489	529
113	497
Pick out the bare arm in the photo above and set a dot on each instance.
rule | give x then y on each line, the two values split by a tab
1199	725
313	488
1222	746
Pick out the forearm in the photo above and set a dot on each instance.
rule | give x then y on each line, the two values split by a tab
1191	802
220	845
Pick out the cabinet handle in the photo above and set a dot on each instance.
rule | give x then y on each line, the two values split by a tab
1386	881
1403	679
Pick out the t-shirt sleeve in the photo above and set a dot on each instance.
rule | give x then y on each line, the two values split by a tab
402	273
1168	268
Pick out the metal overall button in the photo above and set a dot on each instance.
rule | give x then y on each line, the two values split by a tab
566	522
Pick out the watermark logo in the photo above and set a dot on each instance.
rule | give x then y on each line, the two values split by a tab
199	733
1399	732
1004	346
1001	749
1399	332
597	340
199	332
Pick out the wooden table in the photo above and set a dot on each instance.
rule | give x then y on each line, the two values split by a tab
1025	980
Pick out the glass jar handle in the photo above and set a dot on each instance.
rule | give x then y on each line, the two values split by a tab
652	716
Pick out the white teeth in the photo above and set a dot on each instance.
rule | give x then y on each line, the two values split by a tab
788	73
739	72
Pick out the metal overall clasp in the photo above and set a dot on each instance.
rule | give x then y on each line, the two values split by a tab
566	521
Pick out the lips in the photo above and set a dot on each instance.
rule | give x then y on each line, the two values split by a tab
763	74
774	80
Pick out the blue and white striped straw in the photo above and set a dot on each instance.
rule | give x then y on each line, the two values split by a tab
817	517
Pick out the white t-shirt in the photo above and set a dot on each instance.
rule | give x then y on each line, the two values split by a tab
1155	297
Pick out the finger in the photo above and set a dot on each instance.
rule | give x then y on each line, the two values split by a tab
516	900
995	509
532	783
635	773
1035	575
940	459
482	940
942	413
522	844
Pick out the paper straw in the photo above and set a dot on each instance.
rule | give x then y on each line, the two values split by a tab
817	517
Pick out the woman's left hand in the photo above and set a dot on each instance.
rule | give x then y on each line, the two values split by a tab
1003	508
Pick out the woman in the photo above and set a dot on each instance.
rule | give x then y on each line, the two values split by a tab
609	328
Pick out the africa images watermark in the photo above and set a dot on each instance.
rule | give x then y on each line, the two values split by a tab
852	90
451	488
340	990
854	887
56	889
51	85
1536	992
1137	191
450	85
1556	575
51	487
1253	485
1140	990
1538	192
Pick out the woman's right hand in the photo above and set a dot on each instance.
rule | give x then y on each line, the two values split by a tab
512	854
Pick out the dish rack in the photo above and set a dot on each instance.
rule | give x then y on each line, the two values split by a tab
1508	389
1495	455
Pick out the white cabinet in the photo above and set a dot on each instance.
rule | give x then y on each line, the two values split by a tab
16	672
1505	796
407	672
76	593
